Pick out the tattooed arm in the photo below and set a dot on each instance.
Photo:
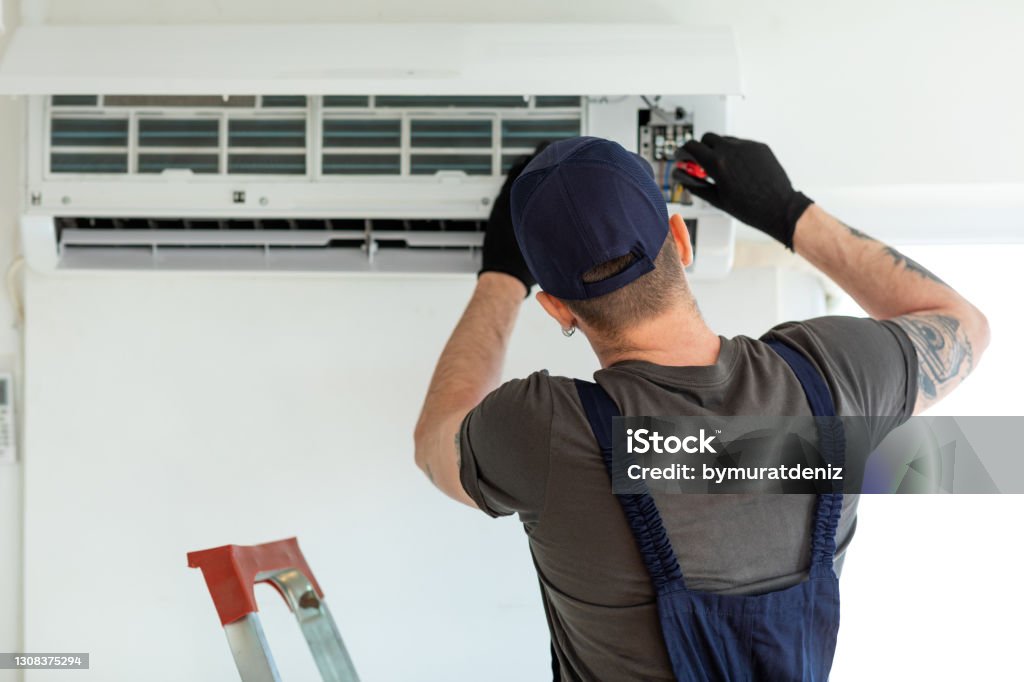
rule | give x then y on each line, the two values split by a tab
948	332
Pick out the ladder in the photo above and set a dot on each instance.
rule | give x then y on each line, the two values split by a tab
231	571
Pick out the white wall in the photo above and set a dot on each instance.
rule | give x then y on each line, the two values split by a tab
914	586
177	412
10	474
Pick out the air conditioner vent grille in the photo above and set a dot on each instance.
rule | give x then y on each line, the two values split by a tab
470	164
74	100
294	135
179	101
346	101
175	132
558	101
89	132
197	163
267	164
451	133
274	132
291	101
269	243
464	102
89	163
376	225
374	132
327	244
527	134
362	164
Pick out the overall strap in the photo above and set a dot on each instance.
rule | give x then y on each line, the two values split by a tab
831	444
641	513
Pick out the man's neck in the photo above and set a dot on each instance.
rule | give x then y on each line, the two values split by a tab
678	338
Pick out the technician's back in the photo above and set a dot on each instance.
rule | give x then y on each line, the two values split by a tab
529	450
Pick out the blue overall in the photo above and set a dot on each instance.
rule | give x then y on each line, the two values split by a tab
778	636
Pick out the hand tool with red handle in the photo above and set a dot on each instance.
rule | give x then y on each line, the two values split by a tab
687	172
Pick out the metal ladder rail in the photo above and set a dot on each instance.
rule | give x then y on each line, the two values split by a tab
231	571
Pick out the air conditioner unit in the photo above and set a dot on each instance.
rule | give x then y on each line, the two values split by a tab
354	148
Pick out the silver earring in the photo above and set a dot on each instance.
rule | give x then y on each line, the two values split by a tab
569	332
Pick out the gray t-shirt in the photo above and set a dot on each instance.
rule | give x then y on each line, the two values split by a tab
528	449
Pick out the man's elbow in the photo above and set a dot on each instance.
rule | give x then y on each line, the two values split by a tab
420	447
973	332
429	443
978	332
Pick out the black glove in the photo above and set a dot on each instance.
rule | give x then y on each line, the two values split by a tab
501	250
750	184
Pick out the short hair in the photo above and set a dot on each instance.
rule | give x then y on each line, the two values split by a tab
645	297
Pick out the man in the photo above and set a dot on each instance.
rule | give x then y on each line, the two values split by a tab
587	222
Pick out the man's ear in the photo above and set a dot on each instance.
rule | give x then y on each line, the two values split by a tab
681	234
557	309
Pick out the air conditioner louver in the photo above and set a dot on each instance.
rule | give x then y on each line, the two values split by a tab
363	133
528	134
468	102
345	101
176	132
268	244
362	164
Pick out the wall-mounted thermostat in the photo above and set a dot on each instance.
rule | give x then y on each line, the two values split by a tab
8	444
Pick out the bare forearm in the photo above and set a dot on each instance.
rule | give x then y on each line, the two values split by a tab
948	332
469	368
470	364
882	280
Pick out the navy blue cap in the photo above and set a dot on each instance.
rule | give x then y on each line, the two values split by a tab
582	202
